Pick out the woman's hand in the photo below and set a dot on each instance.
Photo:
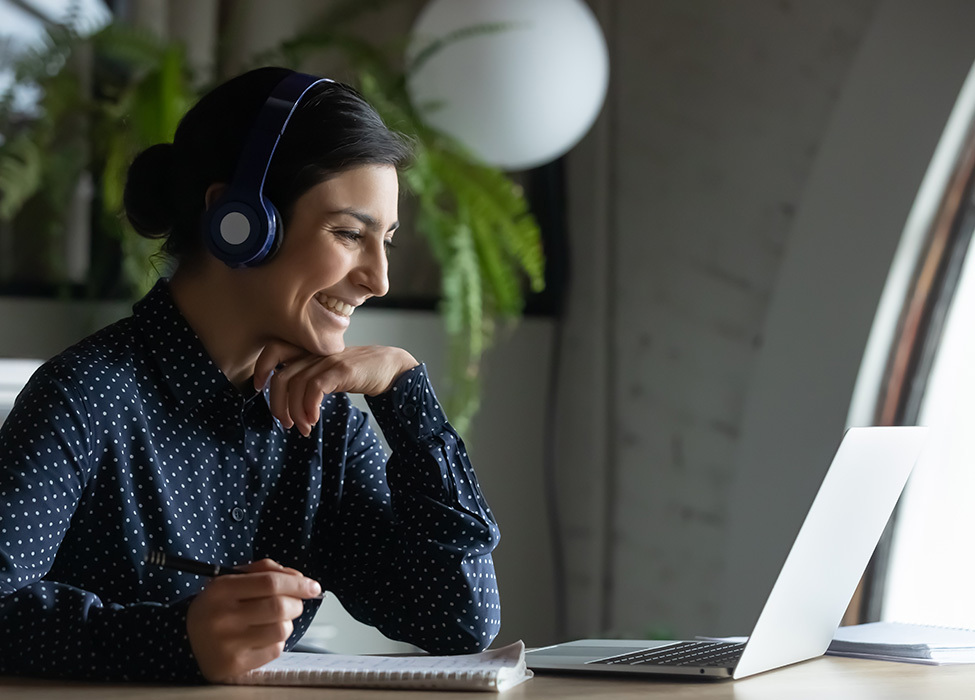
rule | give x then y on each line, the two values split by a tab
302	380
241	621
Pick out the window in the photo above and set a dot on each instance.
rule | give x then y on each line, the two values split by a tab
22	26
930	568
922	571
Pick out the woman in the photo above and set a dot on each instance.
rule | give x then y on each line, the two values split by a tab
214	422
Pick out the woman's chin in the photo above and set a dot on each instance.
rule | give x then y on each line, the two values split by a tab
329	346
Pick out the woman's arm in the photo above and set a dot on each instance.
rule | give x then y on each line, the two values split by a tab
54	628
413	555
410	549
51	627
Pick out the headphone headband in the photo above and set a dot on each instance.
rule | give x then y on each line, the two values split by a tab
242	227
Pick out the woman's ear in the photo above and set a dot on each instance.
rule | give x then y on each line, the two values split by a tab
214	192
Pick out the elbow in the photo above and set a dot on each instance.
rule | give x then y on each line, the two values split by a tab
474	626
468	637
479	626
487	633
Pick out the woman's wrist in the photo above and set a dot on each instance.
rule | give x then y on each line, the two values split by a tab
406	362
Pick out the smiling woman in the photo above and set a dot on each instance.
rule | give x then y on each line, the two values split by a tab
215	423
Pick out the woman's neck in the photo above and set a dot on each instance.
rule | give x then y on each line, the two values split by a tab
215	314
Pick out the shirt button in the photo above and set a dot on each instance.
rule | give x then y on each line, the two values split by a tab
237	514
409	410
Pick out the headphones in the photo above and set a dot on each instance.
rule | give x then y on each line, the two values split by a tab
242	228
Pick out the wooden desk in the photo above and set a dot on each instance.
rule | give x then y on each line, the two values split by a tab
826	678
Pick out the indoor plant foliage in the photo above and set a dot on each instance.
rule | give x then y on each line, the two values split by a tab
474	217
103	98
42	157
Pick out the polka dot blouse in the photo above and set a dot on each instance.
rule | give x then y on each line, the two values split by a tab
133	440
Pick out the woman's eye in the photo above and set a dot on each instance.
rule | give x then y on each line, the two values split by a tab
350	235
388	245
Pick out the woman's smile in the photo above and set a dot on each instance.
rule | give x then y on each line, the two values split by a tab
335	305
335	313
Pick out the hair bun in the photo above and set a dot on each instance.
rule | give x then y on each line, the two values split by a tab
148	196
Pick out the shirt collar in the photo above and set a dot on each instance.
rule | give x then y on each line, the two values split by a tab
186	366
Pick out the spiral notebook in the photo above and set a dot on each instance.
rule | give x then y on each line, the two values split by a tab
493	670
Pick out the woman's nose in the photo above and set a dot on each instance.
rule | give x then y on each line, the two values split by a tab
373	271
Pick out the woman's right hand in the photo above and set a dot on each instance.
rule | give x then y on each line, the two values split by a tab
299	380
241	621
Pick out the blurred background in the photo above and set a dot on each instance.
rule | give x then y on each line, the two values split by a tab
757	239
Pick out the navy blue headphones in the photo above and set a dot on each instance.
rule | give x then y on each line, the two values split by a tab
242	227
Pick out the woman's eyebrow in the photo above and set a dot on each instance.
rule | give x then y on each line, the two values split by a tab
367	219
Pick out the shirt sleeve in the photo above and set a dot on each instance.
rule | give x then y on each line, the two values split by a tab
50	627
413	557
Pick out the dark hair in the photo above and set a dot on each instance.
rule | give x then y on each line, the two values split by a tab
333	129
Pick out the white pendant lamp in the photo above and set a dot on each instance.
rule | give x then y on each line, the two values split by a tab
519	96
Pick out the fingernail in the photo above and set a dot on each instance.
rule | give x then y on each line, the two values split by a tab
314	588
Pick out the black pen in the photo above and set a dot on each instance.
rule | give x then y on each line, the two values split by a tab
189	566
200	568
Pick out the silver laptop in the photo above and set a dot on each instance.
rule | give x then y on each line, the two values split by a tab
813	588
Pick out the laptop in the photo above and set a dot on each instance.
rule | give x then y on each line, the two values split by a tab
814	586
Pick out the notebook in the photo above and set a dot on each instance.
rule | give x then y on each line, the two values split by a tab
491	670
814	585
899	641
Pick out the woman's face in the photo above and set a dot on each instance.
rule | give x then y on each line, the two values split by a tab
332	258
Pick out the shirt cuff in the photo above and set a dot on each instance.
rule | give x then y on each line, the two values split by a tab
410	409
156	646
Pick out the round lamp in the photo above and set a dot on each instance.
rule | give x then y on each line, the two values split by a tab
518	95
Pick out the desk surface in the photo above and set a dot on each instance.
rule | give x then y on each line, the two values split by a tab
826	677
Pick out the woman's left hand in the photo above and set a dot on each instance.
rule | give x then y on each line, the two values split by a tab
302	380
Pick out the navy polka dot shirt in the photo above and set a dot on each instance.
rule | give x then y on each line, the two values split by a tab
133	440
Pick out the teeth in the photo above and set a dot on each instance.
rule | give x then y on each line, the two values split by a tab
336	305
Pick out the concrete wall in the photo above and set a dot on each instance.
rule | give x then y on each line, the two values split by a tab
715	118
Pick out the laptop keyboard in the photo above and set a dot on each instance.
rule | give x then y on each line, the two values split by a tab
709	654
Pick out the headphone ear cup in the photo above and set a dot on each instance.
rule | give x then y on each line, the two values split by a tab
275	230
244	228
243	233
232	228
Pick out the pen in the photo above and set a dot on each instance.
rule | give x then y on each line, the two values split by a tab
200	568
189	566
